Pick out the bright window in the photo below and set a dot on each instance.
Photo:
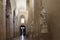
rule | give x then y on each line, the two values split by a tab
22	20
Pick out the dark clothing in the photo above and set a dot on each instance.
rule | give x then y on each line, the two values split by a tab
22	30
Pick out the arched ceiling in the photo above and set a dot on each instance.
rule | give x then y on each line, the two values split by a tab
18	4
13	4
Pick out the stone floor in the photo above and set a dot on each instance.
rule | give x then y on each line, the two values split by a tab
41	37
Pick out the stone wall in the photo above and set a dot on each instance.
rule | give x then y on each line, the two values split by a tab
2	27
53	9
37	10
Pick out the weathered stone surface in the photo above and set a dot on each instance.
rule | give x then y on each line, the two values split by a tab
2	28
53	9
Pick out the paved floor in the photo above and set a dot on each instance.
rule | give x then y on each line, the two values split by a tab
41	37
22	38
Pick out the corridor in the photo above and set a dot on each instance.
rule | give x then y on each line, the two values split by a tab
29	19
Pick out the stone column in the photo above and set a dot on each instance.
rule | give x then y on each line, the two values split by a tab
9	20
37	10
2	21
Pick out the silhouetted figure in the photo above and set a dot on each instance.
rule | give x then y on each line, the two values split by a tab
22	30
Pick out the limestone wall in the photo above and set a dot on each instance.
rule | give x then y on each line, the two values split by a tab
53	9
2	26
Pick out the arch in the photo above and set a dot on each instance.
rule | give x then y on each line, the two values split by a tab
22	19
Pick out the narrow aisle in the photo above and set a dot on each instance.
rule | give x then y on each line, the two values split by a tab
22	38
